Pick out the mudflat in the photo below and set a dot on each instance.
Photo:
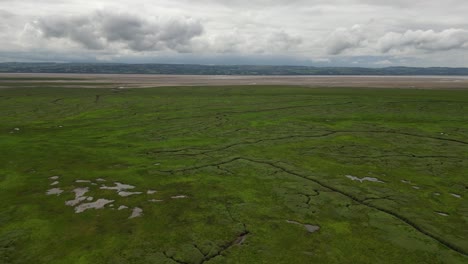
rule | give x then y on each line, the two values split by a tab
147	80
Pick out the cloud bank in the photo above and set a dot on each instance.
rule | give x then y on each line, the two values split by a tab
314	32
101	30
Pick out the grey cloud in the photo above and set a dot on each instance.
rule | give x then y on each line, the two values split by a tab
5	14
101	29
428	40
282	41
343	39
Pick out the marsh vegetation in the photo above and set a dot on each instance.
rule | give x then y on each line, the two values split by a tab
251	174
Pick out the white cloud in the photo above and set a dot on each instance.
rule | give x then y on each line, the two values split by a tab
428	40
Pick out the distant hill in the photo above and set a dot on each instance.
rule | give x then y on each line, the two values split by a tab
193	69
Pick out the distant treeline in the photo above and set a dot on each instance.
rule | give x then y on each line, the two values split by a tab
193	69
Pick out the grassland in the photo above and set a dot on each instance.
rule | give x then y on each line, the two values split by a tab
243	161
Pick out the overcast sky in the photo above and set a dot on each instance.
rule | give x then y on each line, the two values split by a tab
375	33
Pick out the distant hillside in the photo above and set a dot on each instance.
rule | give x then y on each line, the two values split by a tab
189	69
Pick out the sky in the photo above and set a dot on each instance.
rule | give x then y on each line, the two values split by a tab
357	33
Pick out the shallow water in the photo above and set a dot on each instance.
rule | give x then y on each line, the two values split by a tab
312	228
79	196
179	197
354	178
125	194
118	187
99	204
309	228
136	212
53	191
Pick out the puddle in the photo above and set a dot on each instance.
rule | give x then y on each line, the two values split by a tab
79	196
99	204
53	191
354	178
81	202
309	228
125	194
136	212
179	197
442	214
312	228
118	187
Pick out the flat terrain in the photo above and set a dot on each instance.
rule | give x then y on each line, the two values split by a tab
147	80
231	174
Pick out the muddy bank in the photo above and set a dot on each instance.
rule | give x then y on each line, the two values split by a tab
119	81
